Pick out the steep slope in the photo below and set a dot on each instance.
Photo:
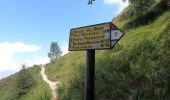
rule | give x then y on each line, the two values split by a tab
52	84
40	91
137	68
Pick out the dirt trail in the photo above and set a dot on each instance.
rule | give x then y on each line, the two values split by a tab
53	85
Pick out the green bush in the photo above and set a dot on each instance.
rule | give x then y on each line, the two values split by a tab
147	17
111	78
76	89
142	73
24	82
46	95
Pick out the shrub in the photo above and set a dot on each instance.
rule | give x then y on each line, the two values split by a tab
147	17
24	82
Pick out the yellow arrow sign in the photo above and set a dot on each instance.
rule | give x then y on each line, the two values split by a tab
98	36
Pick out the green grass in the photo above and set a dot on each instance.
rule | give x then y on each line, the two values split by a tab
7	89
62	68
137	68
40	91
131	70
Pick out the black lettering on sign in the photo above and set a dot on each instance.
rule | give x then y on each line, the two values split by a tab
106	44
98	28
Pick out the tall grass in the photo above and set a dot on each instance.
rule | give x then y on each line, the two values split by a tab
40	91
136	69
138	74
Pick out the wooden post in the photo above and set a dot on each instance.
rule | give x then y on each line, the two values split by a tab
90	74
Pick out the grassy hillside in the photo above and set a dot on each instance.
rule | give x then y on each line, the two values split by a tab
40	91
137	68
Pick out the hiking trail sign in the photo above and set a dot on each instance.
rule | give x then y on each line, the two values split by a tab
91	38
95	37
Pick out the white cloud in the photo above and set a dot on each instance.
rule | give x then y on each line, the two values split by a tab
18	47
110	2
64	48
7	55
120	3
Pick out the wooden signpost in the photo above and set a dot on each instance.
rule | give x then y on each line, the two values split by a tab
94	37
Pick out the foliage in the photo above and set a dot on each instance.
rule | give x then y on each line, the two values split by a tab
146	18
136	69
24	81
90	2
129	76
76	91
54	51
39	91
141	7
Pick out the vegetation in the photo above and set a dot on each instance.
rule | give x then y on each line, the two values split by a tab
137	68
24	82
133	70
39	91
90	2
55	51
140	7
146	17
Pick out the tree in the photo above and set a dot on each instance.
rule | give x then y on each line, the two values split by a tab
90	2
142	6
24	82
165	2
54	51
139	6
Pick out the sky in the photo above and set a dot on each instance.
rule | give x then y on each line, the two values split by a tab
27	27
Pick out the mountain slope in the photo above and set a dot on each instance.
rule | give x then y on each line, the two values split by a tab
40	91
138	67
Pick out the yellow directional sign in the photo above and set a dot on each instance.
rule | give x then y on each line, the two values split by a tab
100	36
